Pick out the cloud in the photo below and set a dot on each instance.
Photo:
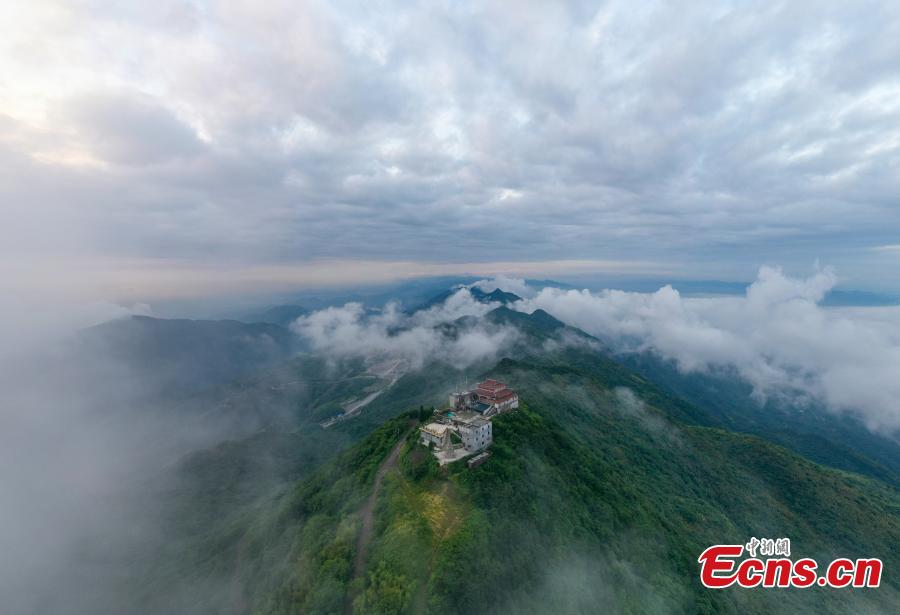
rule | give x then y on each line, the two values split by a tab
131	129
30	323
892	248
348	331
630	405
88	454
460	303
777	336
696	137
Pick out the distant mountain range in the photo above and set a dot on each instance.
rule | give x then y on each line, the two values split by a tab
495	296
187	355
838	297
607	486
600	493
421	294
282	315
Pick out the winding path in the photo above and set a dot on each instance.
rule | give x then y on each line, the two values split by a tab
367	512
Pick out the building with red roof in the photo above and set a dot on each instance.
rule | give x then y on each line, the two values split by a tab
493	397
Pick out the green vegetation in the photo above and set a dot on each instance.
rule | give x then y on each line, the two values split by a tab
592	499
600	493
840	441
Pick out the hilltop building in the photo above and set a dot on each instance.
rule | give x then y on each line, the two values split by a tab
475	431
487	399
435	433
465	427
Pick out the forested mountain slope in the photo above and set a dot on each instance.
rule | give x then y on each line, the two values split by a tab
593	498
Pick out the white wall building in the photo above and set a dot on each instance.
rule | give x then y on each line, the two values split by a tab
476	432
465	427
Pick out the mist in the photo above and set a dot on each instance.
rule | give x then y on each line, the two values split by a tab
777	336
89	445
170	160
349	331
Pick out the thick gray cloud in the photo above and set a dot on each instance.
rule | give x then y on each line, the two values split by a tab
131	130
706	136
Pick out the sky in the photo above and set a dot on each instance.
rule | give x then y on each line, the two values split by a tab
168	151
183	148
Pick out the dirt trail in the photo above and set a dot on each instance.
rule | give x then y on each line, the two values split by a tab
367	512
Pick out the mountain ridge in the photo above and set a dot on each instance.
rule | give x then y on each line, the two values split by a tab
585	469
624	479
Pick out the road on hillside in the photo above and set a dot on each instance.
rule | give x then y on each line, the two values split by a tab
367	512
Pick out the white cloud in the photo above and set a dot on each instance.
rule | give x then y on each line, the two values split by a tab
517	286
776	336
460	303
348	331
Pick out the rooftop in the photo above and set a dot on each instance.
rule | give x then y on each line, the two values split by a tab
470	418
491	385
436	429
480	406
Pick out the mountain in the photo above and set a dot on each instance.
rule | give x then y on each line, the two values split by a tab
185	355
282	315
837	297
840	441
411	294
600	493
495	296
592	500
408	293
537	325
